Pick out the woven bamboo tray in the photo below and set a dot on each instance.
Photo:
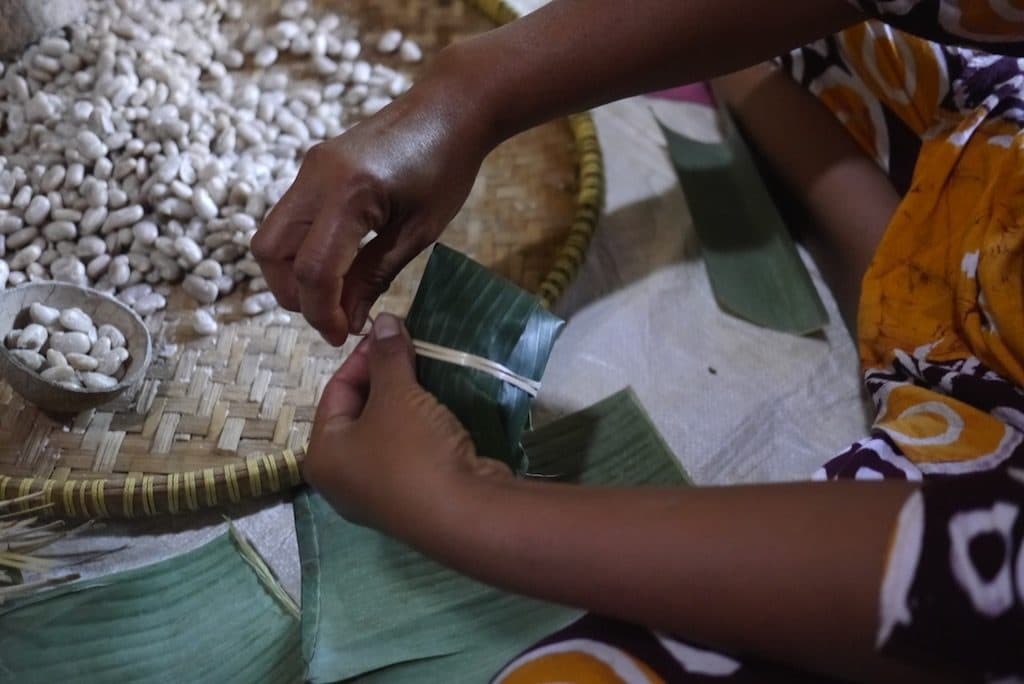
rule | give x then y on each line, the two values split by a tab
221	419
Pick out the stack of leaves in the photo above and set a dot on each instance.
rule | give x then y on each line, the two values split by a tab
377	610
463	306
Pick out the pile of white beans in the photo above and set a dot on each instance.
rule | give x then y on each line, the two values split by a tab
68	349
142	147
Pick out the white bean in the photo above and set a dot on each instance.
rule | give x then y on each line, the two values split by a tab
203	322
10	224
54	358
361	72
90	145
90	246
209	269
374	104
188	251
98	266
76	320
26	256
410	51
203	291
109	363
69	269
265	56
70	342
122	218
113	334
58	374
43	315
37	211
100	347
60	230
258	303
75	176
33	337
82	362
98	381
149	304
53	178
350	49
389	41
119	271
23	237
31	359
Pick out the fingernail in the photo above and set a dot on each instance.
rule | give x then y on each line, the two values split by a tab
386	326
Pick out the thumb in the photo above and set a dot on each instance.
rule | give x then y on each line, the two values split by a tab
391	357
345	393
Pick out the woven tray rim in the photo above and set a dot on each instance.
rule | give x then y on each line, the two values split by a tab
128	496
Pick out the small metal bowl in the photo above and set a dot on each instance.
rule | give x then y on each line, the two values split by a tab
14	304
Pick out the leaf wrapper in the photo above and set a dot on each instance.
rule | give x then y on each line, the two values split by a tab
464	306
203	616
755	270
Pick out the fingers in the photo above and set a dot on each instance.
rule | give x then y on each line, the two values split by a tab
391	357
278	241
327	254
345	393
376	265
319	269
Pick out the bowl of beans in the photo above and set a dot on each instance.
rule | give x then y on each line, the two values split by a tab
67	348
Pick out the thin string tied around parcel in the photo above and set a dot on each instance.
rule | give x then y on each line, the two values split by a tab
456	357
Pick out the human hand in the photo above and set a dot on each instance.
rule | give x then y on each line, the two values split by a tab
384	451
402	173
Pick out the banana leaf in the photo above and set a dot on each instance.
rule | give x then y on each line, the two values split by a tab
755	270
464	306
375	610
213	614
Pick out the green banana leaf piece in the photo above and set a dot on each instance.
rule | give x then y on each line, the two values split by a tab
755	270
377	611
213	614
464	306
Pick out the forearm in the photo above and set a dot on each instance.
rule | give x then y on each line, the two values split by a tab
785	572
575	54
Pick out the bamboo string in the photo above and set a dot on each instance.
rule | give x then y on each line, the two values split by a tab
456	357
460	358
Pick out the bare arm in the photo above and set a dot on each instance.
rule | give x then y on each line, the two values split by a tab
789	573
574	54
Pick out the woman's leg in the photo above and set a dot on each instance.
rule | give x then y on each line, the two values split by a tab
846	198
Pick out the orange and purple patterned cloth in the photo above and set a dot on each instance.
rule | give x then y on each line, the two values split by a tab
933	91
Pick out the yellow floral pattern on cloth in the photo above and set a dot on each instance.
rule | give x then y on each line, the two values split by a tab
580	660
947	281
993	20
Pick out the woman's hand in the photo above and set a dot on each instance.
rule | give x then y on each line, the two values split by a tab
384	451
403	174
